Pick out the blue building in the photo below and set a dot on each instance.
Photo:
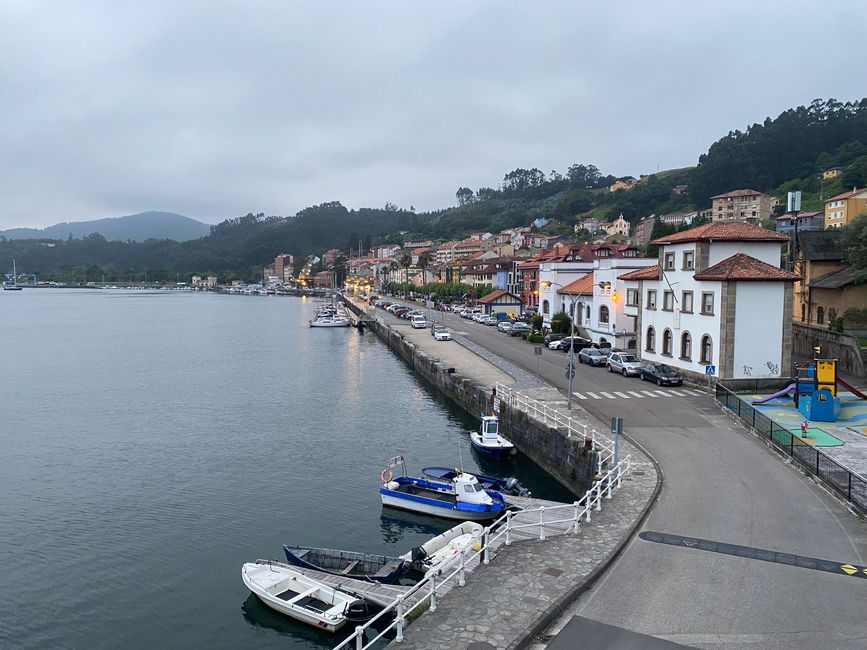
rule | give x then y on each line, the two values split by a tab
806	221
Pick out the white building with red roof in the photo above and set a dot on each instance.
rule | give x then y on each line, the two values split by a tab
717	297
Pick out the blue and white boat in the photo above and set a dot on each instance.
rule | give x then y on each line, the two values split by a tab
488	439
461	498
509	485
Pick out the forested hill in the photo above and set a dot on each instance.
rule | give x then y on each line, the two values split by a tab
135	227
780	154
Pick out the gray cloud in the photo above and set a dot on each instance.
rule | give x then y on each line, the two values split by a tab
214	109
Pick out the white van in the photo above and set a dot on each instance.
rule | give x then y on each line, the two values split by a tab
418	322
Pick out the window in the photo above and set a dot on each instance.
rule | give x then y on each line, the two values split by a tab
686	298
668	300
588	312
707	303
803	311
669	261
688	260
651	299
820	315
545	306
603	314
651	340
632	297
832	314
706	350
666	342
686	347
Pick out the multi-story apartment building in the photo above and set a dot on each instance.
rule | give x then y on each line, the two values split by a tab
283	267
805	221
840	210
742	205
717	297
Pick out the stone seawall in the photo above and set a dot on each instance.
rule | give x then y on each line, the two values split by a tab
564	458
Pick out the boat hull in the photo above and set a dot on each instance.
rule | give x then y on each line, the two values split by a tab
436	511
389	569
438	499
499	449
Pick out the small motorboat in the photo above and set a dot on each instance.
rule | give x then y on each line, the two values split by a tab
431	555
488	439
461	498
505	485
288	591
330	321
361	566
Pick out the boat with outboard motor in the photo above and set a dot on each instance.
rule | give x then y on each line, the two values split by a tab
508	485
488	439
286	590
438	550
361	566
461	498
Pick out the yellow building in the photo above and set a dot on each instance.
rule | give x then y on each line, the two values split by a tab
843	208
831	173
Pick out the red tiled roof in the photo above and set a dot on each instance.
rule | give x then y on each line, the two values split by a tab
735	193
496	295
722	231
649	273
745	268
583	286
589	252
801	215
844	195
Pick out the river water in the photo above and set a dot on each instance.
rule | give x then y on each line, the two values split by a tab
152	442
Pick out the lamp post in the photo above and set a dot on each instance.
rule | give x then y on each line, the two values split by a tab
570	369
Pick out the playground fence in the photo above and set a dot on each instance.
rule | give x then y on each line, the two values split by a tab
848	484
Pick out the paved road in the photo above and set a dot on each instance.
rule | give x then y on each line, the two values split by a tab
721	484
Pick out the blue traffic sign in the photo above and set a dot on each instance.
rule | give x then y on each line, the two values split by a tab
710	370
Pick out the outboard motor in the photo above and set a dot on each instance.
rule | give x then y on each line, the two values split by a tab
357	610
513	487
418	556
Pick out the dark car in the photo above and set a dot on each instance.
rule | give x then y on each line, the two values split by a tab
594	356
577	343
550	338
662	374
519	328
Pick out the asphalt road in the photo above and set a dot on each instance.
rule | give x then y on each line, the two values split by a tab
721	484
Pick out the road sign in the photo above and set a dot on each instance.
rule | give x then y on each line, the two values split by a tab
537	350
710	370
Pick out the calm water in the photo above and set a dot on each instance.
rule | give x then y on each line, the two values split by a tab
152	442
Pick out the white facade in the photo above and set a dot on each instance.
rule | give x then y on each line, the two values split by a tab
610	320
758	352
559	274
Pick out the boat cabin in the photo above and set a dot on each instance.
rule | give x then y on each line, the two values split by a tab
469	490
490	428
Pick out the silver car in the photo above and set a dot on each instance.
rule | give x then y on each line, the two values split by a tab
624	363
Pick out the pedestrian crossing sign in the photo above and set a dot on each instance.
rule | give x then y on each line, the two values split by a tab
710	370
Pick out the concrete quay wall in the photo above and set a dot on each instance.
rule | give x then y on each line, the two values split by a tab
566	459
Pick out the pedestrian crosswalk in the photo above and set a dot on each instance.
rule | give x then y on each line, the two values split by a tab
639	394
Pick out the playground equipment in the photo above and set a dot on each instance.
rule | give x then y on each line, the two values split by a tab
815	391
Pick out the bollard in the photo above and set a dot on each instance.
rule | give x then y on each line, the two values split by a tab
610	482
508	527
461	578
485	558
399	637
433	592
542	523
599	496
359	637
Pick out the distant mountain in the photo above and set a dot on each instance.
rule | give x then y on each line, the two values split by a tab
136	227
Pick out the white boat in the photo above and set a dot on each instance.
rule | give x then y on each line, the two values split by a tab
12	285
438	550
488	439
330	321
288	591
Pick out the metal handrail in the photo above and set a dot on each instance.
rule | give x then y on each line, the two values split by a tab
455	568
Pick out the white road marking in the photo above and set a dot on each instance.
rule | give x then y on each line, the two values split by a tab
649	393
608	395
635	393
677	393
579	395
623	395
662	392
593	395
697	392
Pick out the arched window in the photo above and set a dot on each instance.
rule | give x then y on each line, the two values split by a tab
803	312
545	306
603	314
686	346
666	342
651	340
706	349
820	315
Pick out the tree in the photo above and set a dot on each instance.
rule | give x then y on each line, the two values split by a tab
406	261
854	240
561	323
424	259
464	196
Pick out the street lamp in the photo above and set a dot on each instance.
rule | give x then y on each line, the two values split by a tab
571	367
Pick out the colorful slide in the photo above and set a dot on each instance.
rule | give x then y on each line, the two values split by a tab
788	390
854	391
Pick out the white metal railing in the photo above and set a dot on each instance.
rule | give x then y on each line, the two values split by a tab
558	420
425	591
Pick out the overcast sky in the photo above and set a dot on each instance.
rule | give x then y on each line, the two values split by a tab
215	109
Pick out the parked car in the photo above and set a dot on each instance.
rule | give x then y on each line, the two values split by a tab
490	319
553	336
662	374
519	328
504	326
442	335
594	356
577	343
624	363
418	322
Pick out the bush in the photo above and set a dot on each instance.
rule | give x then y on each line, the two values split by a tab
836	324
537	321
536	338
